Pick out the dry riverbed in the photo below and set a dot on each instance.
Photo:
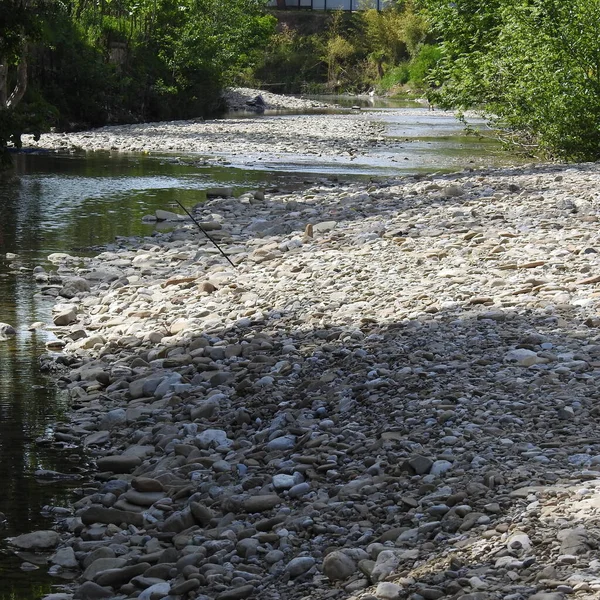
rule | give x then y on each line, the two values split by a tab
394	394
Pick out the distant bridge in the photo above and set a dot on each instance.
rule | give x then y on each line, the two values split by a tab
348	5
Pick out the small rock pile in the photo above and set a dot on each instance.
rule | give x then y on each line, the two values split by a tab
393	395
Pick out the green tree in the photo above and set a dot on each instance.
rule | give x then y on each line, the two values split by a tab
99	61
20	26
532	65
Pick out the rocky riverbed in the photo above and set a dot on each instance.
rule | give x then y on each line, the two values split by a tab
393	394
324	136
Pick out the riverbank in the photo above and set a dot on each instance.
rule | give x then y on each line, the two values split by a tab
394	391
325	136
393	138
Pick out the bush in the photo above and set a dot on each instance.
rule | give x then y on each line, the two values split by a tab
399	75
531	65
423	63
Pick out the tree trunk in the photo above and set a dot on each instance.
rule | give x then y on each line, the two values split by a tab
3	82
21	85
11	101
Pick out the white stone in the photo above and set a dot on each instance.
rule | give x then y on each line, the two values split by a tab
283	481
386	590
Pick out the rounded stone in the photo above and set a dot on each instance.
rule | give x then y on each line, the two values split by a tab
338	566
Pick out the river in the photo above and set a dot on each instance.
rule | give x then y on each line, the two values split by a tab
76	203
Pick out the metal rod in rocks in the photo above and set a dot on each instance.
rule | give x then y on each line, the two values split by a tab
189	214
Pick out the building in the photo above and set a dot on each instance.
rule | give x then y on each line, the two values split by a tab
349	5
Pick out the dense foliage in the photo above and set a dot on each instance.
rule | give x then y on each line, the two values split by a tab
532	65
87	62
346	51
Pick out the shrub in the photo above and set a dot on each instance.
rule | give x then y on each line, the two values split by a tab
531	65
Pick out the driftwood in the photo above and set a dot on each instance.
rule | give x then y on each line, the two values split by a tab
189	214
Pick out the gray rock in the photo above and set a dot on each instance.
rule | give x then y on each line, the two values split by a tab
286	442
96	439
262	503
239	593
166	215
179	521
574	541
161	589
147	484
246	548
118	463
102	552
439	467
523	357
420	464
74	286
338	566
201	513
213	437
113	419
219	192
144	387
65	557
386	563
283	482
66	316
184	587
102	564
300	565
299	490
117	577
386	590
97	514
37	540
6	329
324	226
143	498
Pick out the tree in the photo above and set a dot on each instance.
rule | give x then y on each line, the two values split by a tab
533	66
20	25
107	61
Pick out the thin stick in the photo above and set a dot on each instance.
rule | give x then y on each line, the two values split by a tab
205	233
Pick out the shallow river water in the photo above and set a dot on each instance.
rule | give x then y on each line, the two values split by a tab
74	203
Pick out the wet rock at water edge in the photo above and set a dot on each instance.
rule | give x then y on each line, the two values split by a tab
7	330
37	540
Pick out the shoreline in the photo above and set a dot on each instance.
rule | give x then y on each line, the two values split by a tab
393	392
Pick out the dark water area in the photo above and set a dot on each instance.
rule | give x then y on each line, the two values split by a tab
78	203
